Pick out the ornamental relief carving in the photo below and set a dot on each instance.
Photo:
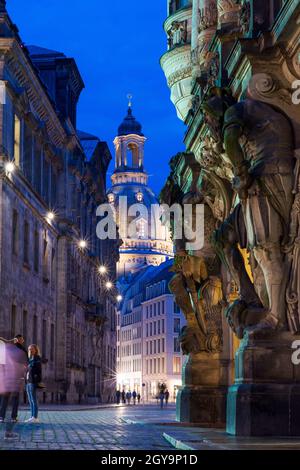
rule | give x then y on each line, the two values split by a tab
208	17
228	11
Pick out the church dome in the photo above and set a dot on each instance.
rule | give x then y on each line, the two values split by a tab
130	125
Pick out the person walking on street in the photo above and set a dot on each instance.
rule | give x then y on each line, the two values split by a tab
167	396
118	396
139	398
33	378
128	397
134	397
17	357
124	397
161	398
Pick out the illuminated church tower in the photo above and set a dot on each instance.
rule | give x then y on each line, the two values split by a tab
151	244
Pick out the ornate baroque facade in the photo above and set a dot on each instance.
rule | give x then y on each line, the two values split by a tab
52	178
232	67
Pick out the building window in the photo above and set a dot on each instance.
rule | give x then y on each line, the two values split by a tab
17	140
176	365
147	312
37	163
158	366
176	345
158	308
163	365
147	348
163	307
158	327
176	308
44	338
176	325
163	345
25	319
151	329
150	347
150	311
154	307
52	343
163	326
154	328
154	346
13	321
15	230
158	346
45	259
26	243
36	251
34	329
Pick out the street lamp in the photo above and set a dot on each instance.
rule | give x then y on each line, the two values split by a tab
9	168
50	216
102	269
82	244
109	285
119	298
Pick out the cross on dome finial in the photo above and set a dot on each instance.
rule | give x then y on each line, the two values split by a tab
129	96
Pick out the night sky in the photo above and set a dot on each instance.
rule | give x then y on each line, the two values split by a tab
117	45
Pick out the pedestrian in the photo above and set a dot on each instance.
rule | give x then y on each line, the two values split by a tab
123	397
134	397
128	397
15	363
139	398
161	398
118	396
33	379
167	396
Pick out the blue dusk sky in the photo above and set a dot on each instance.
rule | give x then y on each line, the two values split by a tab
117	46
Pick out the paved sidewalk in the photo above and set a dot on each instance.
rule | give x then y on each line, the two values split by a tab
194	438
94	429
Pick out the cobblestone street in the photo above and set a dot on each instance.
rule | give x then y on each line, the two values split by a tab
124	428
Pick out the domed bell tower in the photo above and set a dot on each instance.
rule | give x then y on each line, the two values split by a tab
129	148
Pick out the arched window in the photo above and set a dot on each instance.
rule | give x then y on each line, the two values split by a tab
132	155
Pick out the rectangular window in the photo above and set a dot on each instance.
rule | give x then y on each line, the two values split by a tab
150	366
176	365
176	308
158	308
176	325
45	260
150	347
163	307
154	366
13	321
158	366
147	330
163	326
150	311
154	307
46	179
26	243
147	312
158	327
176	345
163	345
37	177
27	162
163	365
147	348
34	330
17	141
15	232
158	346
25	319
154	328
150	329
36	251
44	338
52	343
154	345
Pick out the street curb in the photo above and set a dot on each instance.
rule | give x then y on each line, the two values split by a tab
84	408
176	443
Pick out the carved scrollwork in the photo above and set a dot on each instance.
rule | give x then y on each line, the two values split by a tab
208	17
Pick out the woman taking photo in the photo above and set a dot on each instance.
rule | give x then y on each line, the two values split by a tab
33	378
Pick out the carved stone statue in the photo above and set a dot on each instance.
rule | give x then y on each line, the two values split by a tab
259	143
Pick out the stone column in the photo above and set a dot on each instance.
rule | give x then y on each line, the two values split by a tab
265	398
208	20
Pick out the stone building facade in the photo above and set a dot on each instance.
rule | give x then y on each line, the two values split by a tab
52	178
148	328
232	67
